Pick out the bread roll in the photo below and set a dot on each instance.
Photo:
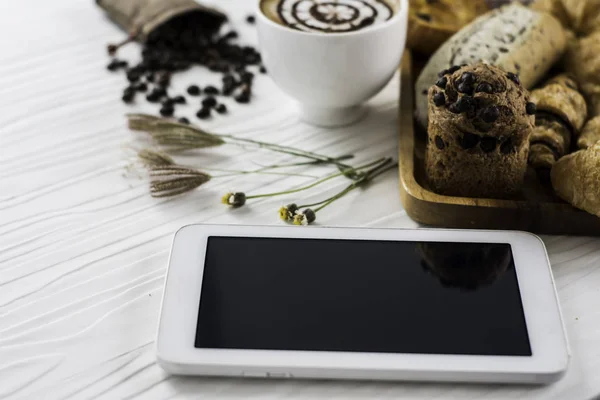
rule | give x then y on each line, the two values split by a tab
513	38
590	134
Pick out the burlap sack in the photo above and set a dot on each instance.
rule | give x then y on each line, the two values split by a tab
141	17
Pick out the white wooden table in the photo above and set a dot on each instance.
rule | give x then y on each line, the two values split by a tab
83	247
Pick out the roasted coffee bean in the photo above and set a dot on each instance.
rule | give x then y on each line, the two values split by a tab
247	77
484	87
203	113
228	78
141	87
113	65
465	104
251	19
513	77
530	108
128	96
193	90
453	69
469	140
262	69
168	103
153	98
507	147
488	144
211	90
161	92
150	77
209	102
490	114
179	99
468	77
167	111
183	120
442	73
164	80
122	64
230	35
439	143
133	75
439	99
243	97
464	87
221	108
442	82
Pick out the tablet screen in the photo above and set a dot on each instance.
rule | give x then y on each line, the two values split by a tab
361	296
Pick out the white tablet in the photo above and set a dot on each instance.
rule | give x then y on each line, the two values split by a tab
304	302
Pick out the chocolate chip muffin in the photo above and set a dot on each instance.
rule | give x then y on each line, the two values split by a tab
480	121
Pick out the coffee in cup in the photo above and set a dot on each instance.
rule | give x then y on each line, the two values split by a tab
329	16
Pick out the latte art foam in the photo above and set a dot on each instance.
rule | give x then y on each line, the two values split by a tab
333	16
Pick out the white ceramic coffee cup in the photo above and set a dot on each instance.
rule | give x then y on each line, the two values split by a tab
332	74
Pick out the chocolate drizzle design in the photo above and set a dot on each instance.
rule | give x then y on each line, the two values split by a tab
334	16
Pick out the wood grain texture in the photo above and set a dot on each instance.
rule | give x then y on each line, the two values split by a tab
539	211
83	247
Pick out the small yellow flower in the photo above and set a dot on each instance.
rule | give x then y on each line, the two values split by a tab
286	213
236	199
300	219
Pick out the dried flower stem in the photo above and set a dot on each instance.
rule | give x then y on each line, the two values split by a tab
320	181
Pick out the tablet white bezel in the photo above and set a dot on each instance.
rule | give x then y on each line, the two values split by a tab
176	335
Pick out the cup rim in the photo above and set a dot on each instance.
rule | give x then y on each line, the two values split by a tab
402	13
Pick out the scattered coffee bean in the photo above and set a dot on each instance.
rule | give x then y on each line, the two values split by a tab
262	69
453	69
230	35
465	104
179	99
203	113
211	90
247	77
193	90
484	87
530	108
221	108
439	99
167	110
113	65
153	97
243	97
164	80
133	75
513	77
160	92
490	114
251	19
469	140
168	103
150	77
507	147
468	77
183	120
442	82
439	143
209	102
488	144
128	97
141	87
464	87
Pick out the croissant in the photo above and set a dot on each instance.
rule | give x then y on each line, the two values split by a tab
560	115
576	179
590	134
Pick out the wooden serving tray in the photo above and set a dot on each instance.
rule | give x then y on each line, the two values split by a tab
537	210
